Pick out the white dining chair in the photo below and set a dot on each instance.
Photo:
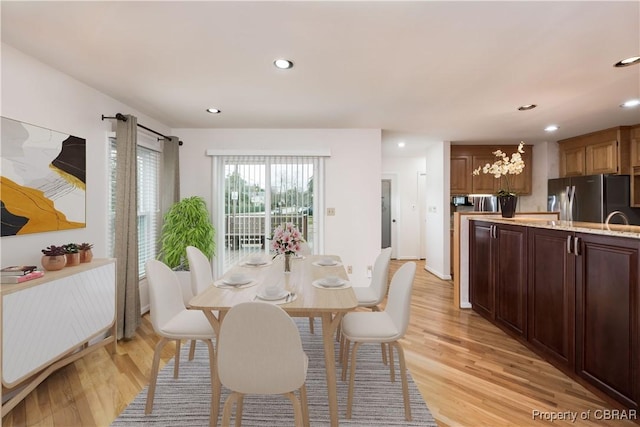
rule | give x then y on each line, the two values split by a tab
371	296
386	326
172	321
201	278
260	352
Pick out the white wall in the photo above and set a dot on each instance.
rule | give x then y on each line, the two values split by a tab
407	228
37	94
543	156
352	179
437	215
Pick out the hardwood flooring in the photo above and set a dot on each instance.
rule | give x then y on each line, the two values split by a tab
469	372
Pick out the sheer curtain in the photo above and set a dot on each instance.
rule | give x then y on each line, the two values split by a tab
126	225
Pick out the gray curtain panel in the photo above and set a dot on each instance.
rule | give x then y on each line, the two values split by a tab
126	239
170	174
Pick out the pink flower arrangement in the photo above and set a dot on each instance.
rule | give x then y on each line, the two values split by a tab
286	239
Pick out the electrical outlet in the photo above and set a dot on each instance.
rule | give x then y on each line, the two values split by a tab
369	271
349	269
331	211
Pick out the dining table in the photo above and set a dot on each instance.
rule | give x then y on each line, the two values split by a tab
307	290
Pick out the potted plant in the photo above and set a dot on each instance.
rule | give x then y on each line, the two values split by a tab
72	253
86	255
53	258
186	223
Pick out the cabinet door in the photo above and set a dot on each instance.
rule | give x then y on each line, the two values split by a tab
483	183
602	158
635	146
551	295
511	277
481	288
461	175
607	317
572	162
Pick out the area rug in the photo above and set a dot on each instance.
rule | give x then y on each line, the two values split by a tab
377	401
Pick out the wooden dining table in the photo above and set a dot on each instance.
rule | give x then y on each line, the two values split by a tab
308	301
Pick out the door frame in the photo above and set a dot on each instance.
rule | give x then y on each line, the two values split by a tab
395	209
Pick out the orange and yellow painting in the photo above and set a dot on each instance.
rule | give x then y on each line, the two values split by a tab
43	182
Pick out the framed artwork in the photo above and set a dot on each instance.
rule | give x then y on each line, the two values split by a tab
43	179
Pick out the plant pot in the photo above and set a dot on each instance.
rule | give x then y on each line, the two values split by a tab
508	205
86	255
73	259
53	263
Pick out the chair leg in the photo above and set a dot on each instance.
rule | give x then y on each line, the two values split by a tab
297	410
392	367
305	405
154	375
192	350
405	382
239	409
352	378
345	358
384	353
311	324
228	405
176	365
212	372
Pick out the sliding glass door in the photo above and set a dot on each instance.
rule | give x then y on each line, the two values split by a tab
260	193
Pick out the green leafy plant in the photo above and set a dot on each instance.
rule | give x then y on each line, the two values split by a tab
53	250
186	223
71	248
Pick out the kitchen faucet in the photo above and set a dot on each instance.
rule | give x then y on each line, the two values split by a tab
614	213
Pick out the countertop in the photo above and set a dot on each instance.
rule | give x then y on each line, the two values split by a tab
632	231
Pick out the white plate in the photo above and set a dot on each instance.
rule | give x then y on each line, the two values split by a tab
265	297
320	263
257	264
236	282
318	284
327	283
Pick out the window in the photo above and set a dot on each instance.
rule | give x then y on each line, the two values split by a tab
260	193
148	172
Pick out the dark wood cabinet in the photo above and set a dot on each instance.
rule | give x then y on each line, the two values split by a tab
460	175
498	281
608	315
510	275
572	297
551	295
481	283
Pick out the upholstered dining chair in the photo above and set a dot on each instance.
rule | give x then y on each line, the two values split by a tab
201	278
372	296
172	321
386	326
260	352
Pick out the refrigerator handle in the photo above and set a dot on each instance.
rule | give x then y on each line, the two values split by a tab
571	192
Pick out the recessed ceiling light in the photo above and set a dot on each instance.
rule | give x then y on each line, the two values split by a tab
283	64
628	61
401	144
213	111
631	103
527	107
551	128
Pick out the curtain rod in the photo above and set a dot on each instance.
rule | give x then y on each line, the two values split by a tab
123	118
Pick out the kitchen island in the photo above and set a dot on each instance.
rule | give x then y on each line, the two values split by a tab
569	291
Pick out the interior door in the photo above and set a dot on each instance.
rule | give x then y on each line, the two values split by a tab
386	213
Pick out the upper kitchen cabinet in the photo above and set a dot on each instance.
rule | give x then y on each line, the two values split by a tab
635	165
466	158
603	152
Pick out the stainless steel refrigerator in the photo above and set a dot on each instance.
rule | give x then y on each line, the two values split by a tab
591	198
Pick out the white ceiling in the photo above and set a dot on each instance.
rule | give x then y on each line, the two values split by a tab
421	71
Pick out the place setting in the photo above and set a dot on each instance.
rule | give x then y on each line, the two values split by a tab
256	261
275	294
331	282
236	281
327	262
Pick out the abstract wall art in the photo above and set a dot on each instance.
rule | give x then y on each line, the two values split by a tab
43	179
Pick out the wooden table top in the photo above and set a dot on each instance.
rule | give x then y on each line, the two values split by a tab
309	299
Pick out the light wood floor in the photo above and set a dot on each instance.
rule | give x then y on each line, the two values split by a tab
469	372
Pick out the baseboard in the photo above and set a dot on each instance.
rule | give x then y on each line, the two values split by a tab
465	305
437	273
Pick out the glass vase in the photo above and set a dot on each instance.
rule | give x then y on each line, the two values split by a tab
287	263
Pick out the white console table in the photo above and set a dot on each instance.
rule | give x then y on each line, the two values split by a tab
52	321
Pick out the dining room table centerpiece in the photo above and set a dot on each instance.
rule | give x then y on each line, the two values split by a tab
501	169
286	240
